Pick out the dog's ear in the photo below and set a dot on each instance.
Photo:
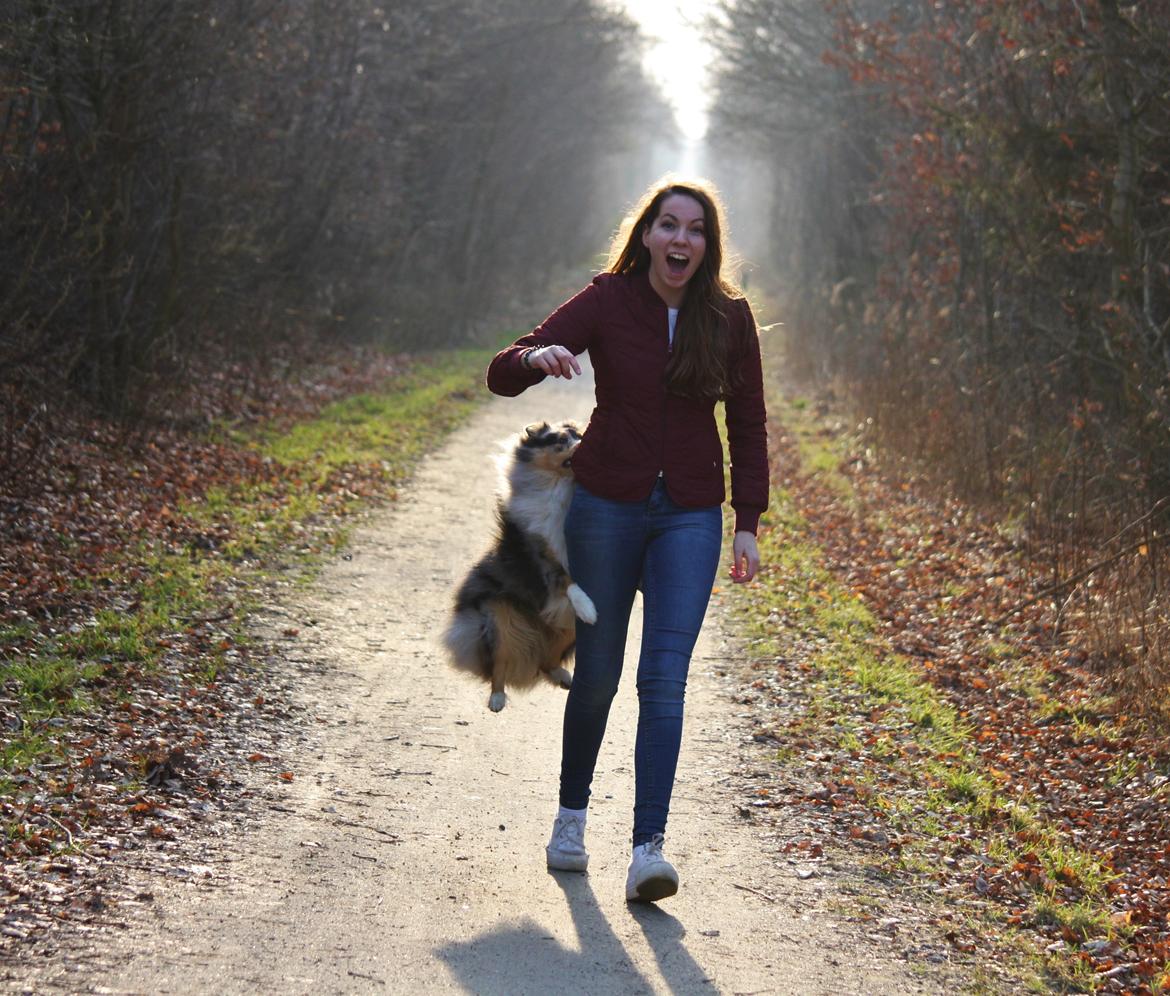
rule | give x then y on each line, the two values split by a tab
535	430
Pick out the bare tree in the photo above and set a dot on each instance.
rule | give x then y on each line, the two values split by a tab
192	172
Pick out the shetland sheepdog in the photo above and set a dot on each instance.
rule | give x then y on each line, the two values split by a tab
513	618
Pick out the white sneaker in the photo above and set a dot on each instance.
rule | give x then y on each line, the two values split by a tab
566	848
651	876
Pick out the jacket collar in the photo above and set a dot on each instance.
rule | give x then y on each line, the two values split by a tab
647	291
644	298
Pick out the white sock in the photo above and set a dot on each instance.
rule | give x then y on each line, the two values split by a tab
563	813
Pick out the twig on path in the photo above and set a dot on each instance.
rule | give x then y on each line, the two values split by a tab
748	888
371	978
732	658
439	746
62	826
364	857
506	774
363	826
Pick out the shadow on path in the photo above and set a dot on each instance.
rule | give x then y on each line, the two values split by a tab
522	958
664	936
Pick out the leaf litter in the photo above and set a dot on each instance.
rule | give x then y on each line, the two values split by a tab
1047	818
147	746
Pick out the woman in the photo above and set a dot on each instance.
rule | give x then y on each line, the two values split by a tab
668	336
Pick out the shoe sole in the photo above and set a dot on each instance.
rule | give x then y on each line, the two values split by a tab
653	889
566	862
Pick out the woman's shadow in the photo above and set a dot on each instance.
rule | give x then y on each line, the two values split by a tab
523	958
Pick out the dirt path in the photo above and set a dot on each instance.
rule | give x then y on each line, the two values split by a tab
406	855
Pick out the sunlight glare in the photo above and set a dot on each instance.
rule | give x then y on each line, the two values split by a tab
678	58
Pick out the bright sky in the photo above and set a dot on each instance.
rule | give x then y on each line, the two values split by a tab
678	57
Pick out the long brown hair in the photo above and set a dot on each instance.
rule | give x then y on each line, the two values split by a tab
698	366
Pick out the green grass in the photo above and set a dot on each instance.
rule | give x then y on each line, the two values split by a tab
383	434
821	452
393	429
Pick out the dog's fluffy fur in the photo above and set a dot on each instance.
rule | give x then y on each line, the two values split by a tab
513	619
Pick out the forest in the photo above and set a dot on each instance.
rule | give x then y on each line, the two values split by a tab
970	230
191	177
967	220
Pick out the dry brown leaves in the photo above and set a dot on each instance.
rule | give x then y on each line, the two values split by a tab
937	579
153	756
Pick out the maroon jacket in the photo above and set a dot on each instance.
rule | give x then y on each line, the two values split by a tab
637	429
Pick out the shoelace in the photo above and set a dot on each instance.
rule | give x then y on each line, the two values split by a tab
654	847
569	831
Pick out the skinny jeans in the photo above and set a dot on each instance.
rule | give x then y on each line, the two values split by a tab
673	552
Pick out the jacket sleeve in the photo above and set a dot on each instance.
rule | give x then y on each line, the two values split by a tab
573	325
747	434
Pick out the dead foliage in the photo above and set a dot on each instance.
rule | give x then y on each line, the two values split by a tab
165	729
951	593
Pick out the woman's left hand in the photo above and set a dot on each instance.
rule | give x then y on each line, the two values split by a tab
745	557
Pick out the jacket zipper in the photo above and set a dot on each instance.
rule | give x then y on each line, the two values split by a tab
662	433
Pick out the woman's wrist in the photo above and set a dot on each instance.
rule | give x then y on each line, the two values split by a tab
747	520
526	357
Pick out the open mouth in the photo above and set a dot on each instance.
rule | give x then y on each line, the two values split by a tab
677	262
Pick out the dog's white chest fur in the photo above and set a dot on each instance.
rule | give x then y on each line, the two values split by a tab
541	511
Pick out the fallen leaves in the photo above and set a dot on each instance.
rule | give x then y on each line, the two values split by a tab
134	745
1043	731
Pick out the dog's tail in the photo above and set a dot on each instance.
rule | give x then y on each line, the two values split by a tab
469	639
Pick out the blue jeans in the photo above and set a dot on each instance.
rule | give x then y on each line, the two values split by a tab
674	552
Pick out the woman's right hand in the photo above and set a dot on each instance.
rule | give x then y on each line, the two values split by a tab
556	361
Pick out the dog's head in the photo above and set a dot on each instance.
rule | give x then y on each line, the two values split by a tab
549	447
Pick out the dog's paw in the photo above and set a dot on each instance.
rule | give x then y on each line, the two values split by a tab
561	676
496	701
582	604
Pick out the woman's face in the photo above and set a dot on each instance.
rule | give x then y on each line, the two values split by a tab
677	240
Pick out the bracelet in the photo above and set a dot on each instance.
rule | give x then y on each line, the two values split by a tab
526	357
